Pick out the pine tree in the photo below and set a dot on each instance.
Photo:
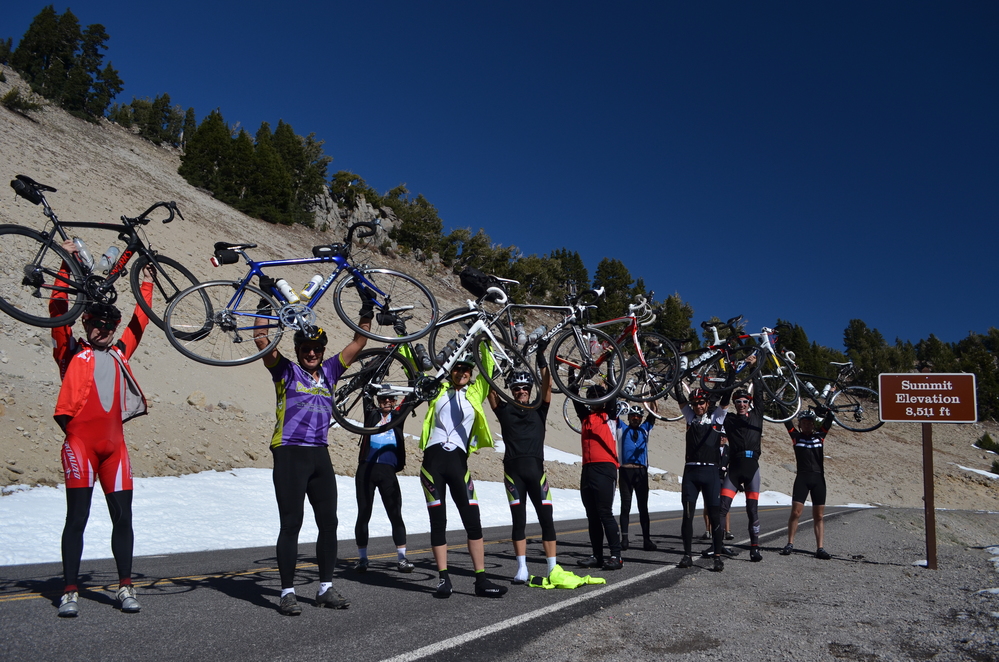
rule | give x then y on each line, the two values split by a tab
207	149
190	126
612	275
570	268
270	195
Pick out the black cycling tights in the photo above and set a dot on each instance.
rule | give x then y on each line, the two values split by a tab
703	480
301	471
371	476
78	512
597	483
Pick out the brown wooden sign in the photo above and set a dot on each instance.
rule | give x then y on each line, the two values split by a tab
928	397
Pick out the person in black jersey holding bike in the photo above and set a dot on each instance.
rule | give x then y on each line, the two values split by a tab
523	463
744	429
633	449
381	457
809	445
700	471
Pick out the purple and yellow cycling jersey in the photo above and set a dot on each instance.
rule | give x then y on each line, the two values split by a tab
304	405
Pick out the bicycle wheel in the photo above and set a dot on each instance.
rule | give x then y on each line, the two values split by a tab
508	361
29	265
171	278
653	380
569	414
729	370
582	358
666	409
781	401
213	323
452	326
374	371
856	408
393	291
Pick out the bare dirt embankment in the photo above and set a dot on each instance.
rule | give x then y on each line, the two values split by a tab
204	418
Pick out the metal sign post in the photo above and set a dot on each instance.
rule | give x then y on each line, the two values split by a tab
927	398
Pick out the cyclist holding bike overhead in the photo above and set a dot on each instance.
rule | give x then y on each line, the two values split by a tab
98	395
523	463
299	444
700	471
809	444
744	429
633	449
454	427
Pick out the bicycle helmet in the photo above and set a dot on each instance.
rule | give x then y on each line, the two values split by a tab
699	395
318	336
101	311
595	391
465	359
635	410
520	378
808	414
741	393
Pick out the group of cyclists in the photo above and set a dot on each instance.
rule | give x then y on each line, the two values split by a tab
99	393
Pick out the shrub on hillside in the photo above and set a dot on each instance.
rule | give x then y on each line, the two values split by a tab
22	104
985	442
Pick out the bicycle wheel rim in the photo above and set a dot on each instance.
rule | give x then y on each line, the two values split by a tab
374	371
582	365
29	265
394	291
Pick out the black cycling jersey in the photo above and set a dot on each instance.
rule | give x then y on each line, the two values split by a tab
703	436
746	431
808	451
523	430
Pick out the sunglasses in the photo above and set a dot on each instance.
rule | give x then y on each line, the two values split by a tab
518	389
104	325
311	349
462	367
741	401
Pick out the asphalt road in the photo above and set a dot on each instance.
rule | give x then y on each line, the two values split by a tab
207	604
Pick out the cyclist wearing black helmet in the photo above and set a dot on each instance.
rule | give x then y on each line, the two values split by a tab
598	479
700	471
98	395
633	449
810	477
302	464
523	463
454	427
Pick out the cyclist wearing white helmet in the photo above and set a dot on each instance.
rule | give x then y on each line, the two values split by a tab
523	463
454	427
744	429
809	447
302	466
633	475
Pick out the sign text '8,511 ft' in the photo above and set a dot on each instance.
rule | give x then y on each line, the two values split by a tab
928	397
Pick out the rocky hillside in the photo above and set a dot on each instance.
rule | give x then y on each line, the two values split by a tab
204	418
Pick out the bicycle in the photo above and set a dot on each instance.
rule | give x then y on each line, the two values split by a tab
650	357
780	384
214	322
854	407
580	356
30	262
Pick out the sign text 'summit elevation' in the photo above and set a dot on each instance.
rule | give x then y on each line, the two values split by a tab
928	397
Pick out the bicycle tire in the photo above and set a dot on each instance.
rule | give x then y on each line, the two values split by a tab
397	290
215	334
569	414
781	401
729	370
856	408
779	381
449	326
508	361
371	371
667	409
653	380
574	367
171	278
29	265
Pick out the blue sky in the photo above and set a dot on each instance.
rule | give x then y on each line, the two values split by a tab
817	162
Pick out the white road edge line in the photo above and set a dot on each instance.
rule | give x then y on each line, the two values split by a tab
453	642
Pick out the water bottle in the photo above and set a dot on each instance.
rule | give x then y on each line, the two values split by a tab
683	363
596	349
827	389
521	333
812	390
423	357
311	287
446	353
537	333
285	289
85	256
108	259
